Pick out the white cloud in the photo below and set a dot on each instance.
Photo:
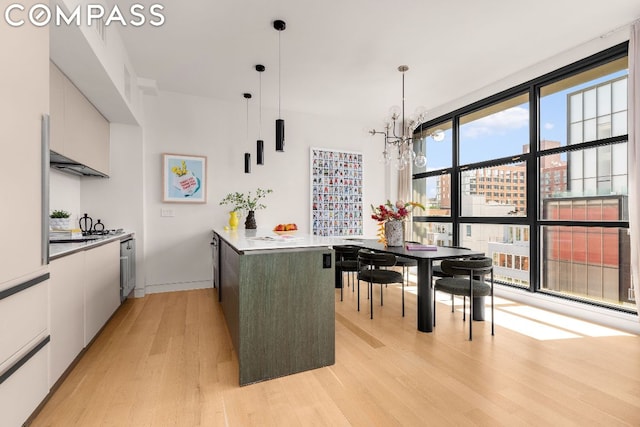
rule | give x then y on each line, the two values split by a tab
498	123
549	126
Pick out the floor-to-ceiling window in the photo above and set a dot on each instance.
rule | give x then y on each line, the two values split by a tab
536	177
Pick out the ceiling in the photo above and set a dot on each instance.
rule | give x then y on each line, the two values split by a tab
340	57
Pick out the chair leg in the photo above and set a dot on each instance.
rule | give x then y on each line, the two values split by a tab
434	306
471	316
492	331
341	284
464	309
402	298
381	301
358	294
371	299
453	303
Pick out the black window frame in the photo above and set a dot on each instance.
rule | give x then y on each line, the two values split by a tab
533	218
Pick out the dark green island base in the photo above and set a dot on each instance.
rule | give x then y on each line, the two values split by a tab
279	306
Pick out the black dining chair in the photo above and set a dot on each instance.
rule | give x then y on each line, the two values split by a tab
373	267
436	272
346	261
467	280
405	263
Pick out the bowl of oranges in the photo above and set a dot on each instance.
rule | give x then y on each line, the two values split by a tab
285	229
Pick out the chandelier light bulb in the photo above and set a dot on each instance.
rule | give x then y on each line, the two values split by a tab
421	160
394	112
437	135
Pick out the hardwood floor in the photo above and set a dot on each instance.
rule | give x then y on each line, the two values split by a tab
167	360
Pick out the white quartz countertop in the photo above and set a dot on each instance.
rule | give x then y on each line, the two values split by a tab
58	250
264	239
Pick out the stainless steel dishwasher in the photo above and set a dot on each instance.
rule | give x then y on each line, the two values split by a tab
127	267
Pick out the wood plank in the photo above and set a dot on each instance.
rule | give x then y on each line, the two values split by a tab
167	359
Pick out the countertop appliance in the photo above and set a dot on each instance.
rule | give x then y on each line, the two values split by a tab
127	267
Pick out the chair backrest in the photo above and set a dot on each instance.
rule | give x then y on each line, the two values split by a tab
464	267
376	259
346	252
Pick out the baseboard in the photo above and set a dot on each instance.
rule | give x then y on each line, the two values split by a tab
172	287
627	322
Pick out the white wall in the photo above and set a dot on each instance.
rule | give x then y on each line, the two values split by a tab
553	63
178	251
64	194
119	200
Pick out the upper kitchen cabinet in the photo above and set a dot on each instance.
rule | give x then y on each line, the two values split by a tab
78	130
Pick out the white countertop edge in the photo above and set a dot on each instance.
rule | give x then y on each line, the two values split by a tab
251	240
59	250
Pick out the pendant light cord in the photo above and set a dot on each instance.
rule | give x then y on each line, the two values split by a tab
279	72
260	106
247	120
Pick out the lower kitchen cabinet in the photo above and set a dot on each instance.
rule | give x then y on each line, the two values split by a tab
102	287
67	312
23	391
24	349
85	292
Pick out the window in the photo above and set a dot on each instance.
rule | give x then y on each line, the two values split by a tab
495	203
496	131
434	192
576	170
438	152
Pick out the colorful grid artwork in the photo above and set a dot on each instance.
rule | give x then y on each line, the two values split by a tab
336	189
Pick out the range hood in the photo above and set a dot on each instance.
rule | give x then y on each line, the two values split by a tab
66	165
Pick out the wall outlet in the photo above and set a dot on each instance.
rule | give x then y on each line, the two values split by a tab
167	212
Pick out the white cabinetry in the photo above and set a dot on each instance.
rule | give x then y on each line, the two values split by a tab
24	85
102	287
78	130
67	312
85	292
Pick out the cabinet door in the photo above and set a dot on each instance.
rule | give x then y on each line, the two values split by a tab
66	314
56	107
24	85
102	287
77	125
86	130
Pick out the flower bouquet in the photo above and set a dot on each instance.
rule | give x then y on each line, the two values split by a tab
390	219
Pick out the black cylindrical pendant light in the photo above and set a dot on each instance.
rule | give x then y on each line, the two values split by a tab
280	27
260	143
279	135
247	162
247	156
260	152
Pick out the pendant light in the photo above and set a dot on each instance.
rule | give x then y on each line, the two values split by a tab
260	143
280	27
247	156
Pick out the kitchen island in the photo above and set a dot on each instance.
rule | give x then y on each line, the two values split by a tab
277	295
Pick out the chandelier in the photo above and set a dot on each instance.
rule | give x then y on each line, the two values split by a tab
398	135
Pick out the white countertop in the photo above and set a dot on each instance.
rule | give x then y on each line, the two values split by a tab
265	239
58	250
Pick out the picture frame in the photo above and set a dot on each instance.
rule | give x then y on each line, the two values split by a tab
336	192
184	178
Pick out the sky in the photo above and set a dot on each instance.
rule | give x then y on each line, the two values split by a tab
504	133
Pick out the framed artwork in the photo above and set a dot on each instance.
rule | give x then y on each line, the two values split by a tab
336	193
184	178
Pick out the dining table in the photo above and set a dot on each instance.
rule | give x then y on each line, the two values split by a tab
425	259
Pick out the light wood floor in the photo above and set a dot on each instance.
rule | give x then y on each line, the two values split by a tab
167	360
